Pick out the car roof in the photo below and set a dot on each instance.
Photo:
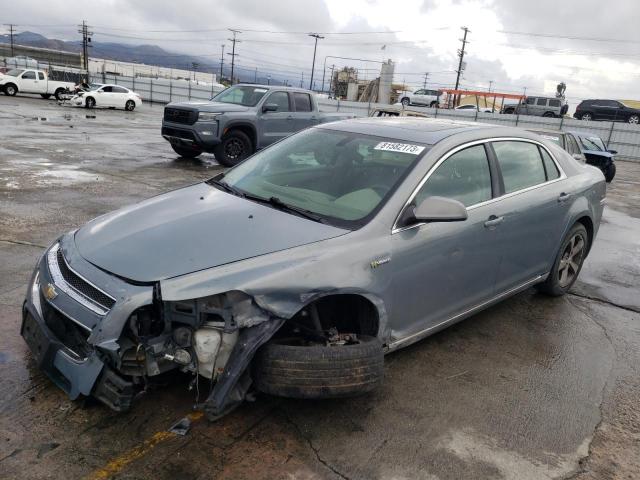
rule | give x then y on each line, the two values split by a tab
428	131
273	87
111	85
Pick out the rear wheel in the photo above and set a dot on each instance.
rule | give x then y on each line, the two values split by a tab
233	149
294	368
568	262
130	105
46	96
548	114
59	93
90	102
186	152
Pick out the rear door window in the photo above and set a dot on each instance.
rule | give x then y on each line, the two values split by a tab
464	176
542	102
550	167
530	101
119	90
554	102
520	164
302	102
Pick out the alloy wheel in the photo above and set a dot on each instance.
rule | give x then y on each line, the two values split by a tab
635	119
586	117
571	260
234	148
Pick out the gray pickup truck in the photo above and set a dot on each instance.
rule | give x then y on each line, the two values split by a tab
240	120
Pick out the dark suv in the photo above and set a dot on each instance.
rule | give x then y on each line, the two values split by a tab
608	110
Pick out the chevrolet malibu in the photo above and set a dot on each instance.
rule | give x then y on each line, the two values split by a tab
297	270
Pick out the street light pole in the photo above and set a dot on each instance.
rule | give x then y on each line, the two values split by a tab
313	65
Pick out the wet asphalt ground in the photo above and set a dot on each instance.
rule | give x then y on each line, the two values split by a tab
533	388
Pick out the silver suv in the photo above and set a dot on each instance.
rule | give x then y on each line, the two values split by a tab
539	106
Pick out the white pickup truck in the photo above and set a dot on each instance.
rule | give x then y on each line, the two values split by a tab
25	80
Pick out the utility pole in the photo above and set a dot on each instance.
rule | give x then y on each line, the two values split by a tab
268	79
86	40
233	50
11	25
460	64
301	79
221	62
313	65
426	75
330	79
255	76
490	85
195	66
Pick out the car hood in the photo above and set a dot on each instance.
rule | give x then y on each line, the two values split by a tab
210	106
191	229
598	153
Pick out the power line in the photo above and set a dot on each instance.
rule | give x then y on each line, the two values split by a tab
568	37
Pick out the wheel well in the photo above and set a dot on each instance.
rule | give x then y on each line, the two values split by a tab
12	84
588	225
59	89
247	130
348	313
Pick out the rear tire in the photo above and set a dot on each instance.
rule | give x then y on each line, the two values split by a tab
548	114
568	262
285	368
186	152
610	172
58	93
130	105
46	96
233	149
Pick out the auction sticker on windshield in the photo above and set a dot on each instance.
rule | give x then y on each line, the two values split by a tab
399	147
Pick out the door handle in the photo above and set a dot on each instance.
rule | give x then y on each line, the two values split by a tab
564	197
290	117
493	221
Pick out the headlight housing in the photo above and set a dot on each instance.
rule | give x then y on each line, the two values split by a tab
207	116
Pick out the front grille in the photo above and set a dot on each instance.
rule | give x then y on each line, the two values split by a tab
82	285
66	331
178	115
176	132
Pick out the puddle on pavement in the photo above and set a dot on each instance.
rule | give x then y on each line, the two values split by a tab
64	177
42	172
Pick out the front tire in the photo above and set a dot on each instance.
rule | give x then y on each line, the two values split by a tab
10	90
130	105
186	152
587	117
610	172
568	262
233	149
405	102
90	102
634	119
287	367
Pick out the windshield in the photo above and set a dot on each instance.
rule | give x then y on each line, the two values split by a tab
15	72
593	143
341	177
249	96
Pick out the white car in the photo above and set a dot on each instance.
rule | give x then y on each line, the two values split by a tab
111	96
423	96
473	108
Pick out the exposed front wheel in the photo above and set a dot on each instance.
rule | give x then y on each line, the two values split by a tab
610	172
406	102
635	119
587	117
130	105
233	149
10	90
294	368
568	262
90	102
186	152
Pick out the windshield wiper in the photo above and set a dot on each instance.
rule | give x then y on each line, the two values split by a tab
285	207
226	187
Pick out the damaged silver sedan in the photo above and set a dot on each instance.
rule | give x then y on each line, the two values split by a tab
296	271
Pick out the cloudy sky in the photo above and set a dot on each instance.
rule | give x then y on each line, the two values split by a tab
591	45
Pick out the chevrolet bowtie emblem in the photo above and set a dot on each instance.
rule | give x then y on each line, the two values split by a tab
49	292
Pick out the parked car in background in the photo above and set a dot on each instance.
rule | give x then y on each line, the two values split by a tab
474	108
27	80
585	148
607	110
110	96
240	120
396	111
538	106
424	97
297	270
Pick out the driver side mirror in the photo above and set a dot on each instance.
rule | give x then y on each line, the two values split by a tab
269	107
434	209
613	152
